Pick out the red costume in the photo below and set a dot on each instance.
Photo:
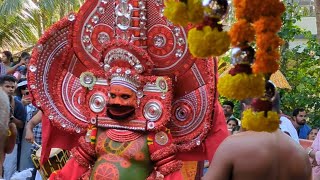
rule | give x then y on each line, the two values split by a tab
168	109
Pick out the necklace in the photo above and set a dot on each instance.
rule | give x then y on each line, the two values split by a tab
122	135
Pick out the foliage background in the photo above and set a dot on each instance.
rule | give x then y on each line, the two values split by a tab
23	22
301	66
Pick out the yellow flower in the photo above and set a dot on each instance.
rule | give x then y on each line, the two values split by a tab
256	121
241	86
208	42
195	11
176	12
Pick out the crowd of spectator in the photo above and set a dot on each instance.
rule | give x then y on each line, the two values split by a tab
13	81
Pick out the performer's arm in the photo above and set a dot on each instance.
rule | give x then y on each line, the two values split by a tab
163	153
83	157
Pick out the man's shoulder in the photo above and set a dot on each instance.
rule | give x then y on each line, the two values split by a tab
306	127
17	102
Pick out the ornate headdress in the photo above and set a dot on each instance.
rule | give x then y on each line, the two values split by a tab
131	43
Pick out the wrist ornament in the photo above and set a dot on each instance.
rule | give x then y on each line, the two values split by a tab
310	151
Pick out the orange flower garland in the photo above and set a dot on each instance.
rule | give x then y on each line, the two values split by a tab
268	43
242	31
261	20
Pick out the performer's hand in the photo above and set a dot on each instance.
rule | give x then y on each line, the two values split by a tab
29	135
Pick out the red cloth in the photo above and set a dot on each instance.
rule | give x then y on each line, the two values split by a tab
71	171
217	134
53	137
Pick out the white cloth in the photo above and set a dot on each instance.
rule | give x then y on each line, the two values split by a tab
23	175
287	126
38	176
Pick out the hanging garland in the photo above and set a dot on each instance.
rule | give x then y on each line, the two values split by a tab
258	21
207	38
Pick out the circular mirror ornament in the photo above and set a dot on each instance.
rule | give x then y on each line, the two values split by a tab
152	111
87	79
97	102
162	84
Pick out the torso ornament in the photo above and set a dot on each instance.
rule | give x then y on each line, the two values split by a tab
121	154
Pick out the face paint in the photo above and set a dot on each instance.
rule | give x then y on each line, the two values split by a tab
118	112
122	103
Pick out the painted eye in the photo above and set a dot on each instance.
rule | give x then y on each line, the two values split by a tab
112	95
124	96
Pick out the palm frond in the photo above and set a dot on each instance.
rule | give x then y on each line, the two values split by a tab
10	7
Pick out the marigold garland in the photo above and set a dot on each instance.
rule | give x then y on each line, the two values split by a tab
254	10
266	62
267	24
265	16
241	86
176	12
208	42
195	11
181	13
257	121
268	42
241	31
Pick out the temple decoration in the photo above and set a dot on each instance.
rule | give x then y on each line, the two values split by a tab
259	22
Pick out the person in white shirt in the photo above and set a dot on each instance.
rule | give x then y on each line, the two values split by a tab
287	127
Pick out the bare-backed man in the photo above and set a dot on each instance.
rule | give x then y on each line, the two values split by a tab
259	155
256	154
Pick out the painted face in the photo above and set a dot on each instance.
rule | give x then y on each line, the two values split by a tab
301	118
313	134
122	103
227	109
9	87
231	124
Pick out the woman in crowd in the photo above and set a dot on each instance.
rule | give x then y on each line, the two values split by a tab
313	134
6	60
231	123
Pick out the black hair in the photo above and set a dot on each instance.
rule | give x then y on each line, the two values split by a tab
230	103
233	119
24	55
9	55
312	129
270	88
18	89
296	111
8	78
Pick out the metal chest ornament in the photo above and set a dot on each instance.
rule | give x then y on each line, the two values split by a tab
132	43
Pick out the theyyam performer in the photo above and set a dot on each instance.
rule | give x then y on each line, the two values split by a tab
134	84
